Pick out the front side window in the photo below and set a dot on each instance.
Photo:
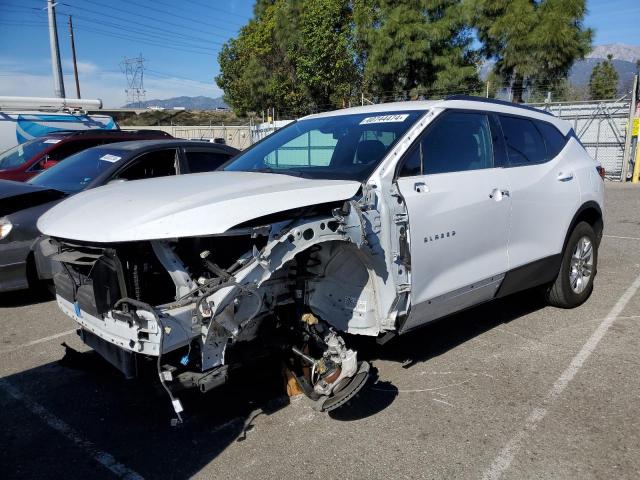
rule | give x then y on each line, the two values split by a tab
456	142
347	147
525	145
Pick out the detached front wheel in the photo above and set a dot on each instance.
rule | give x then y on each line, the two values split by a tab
574	282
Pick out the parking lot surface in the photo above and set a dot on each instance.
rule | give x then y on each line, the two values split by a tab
512	389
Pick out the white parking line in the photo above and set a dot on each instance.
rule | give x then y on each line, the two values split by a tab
503	461
36	342
59	425
625	238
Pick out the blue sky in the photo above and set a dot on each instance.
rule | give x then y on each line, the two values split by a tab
179	40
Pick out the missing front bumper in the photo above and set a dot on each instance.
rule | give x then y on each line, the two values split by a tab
123	360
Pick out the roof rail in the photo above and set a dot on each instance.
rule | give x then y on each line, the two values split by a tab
471	98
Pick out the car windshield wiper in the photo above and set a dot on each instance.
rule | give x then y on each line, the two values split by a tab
293	173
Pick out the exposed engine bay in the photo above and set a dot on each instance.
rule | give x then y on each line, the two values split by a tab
288	283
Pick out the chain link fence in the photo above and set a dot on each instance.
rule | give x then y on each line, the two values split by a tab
601	126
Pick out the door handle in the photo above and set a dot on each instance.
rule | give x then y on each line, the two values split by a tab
497	194
420	187
565	177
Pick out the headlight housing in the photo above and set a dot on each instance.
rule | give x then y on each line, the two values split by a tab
5	227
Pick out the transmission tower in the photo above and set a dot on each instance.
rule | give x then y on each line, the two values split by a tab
133	68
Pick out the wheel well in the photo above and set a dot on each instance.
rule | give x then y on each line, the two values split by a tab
593	217
31	269
590	212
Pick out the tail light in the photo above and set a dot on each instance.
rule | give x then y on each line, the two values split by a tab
601	171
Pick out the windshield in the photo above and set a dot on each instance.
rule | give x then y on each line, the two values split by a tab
78	170
18	155
347	147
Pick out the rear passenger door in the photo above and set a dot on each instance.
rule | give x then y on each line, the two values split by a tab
458	203
200	159
544	192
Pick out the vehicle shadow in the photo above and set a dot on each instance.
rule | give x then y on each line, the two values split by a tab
443	335
24	298
131	419
428	342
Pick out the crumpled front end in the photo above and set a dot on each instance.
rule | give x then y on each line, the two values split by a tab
288	284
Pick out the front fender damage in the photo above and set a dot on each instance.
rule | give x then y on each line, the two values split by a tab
305	279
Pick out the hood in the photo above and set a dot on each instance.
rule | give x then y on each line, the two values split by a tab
184	206
16	196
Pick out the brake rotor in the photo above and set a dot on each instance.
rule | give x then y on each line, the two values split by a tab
346	392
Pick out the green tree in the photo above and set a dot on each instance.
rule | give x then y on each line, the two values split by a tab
414	47
323	54
603	83
534	42
293	55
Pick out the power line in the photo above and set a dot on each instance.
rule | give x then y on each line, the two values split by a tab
112	35
126	30
223	11
162	29
182	17
146	17
136	39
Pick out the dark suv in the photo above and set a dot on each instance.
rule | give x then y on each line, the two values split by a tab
26	160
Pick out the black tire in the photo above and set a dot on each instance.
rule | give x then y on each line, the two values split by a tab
560	293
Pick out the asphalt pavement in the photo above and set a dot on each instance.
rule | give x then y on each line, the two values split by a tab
512	389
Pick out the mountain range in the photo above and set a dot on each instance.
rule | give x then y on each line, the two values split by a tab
624	61
620	51
189	103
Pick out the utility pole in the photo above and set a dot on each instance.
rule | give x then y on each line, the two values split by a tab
73	52
488	88
58	81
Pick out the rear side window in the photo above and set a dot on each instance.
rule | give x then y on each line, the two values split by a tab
160	163
553	139
205	161
457	142
525	145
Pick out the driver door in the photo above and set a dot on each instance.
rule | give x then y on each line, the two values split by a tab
458	204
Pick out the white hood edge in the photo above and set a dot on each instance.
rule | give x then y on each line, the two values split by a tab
184	205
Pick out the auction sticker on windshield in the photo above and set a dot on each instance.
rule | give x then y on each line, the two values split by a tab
384	119
110	158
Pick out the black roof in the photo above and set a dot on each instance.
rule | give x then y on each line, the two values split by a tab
108	132
132	145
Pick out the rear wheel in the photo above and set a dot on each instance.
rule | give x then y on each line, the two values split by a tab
574	282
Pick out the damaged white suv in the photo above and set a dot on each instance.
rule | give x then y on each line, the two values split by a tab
372	220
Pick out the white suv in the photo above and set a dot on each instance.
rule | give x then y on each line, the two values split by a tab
372	220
